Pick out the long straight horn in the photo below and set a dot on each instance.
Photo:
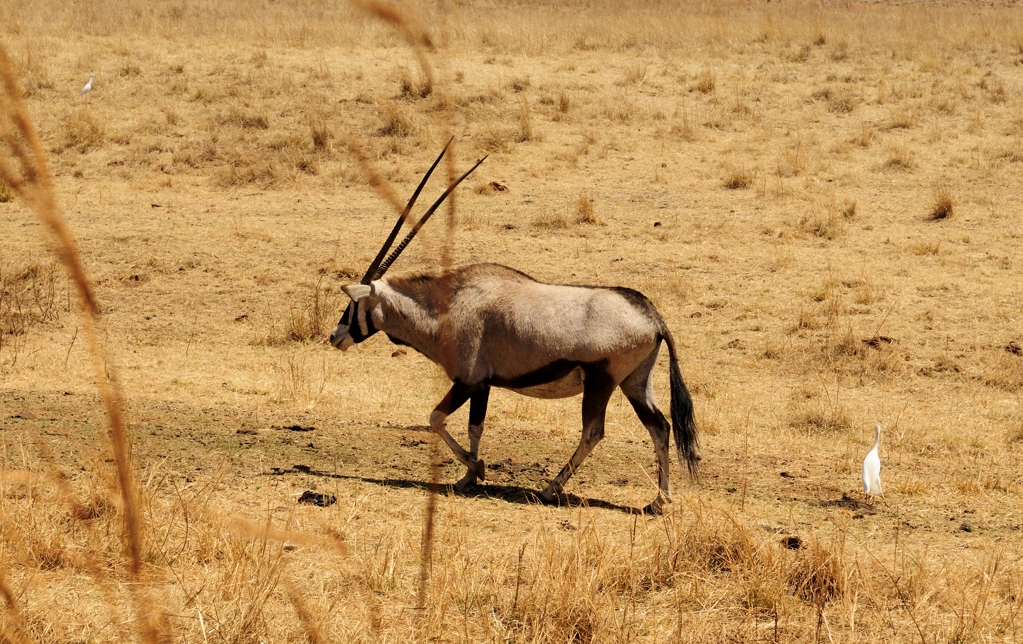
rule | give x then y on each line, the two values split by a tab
422	220
373	267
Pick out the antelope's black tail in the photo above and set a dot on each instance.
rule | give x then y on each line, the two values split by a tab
683	422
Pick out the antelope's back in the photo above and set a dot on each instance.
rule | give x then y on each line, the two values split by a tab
508	318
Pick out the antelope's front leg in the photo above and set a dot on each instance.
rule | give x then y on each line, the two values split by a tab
477	414
454	399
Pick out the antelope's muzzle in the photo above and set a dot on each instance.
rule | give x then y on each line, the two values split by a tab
341	338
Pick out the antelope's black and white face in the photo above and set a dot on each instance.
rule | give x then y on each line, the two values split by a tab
357	323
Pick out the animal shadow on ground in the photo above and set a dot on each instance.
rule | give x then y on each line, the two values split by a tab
508	493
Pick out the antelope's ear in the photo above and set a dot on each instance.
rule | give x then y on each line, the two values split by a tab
359	291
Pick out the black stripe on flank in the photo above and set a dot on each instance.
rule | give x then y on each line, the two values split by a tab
546	374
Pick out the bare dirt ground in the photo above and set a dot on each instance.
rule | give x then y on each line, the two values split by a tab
823	202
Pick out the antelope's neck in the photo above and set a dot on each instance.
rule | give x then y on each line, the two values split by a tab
410	316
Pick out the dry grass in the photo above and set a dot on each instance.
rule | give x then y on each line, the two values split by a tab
209	178
585	211
739	177
944	203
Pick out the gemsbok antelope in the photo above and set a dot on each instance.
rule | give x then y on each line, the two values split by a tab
492	326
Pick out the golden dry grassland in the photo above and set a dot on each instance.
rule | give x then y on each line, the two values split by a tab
824	201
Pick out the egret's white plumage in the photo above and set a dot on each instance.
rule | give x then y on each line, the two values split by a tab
872	467
87	88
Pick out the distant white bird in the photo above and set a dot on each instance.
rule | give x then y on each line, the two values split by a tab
87	88
872	467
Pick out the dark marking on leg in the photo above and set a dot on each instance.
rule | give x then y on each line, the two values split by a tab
477	414
598	386
478	405
638	389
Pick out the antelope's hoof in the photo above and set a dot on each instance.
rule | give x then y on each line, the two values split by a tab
465	482
656	508
481	470
551	495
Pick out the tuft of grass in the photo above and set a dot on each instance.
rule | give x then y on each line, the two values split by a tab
584	210
413	86
550	219
800	54
848	209
495	139
822	419
83	132
564	102
900	157
903	117
926	248
822	221
245	120
706	81
129	69
634	74
399	122
819	575
6	194
311	319
739	177
319	130
943	206
520	84
864	137
525	132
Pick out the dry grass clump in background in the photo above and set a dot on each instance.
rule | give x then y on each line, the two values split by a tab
822	418
413	85
900	157
564	102
550	219
29	295
848	209
585	213
824	217
903	117
399	121
496	139
244	119
82	131
943	206
821	221
525	132
864	137
706	81
839	100
311	318
739	177
320	132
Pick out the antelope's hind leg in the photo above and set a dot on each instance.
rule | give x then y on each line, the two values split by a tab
638	388
598	386
455	398
477	413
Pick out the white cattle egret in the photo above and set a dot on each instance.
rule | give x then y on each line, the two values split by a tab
87	88
872	467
